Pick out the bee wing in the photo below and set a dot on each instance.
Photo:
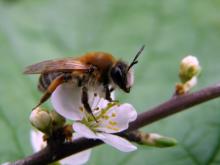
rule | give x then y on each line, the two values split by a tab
67	64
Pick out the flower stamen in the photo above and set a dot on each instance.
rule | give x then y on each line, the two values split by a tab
113	114
113	123
112	128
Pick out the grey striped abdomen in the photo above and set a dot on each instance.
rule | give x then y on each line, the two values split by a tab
74	78
46	79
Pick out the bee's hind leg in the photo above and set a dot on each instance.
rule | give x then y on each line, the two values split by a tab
85	102
54	84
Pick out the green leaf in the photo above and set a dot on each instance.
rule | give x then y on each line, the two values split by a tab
31	31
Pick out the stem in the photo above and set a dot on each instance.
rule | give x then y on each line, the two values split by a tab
174	105
170	107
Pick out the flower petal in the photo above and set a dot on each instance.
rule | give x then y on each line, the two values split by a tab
66	100
37	142
84	131
96	97
117	142
6	163
118	118
98	102
77	159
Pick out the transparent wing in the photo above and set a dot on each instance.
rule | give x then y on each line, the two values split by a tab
66	64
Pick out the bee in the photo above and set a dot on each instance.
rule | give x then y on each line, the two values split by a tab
94	69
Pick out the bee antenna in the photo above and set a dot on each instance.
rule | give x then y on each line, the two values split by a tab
135	58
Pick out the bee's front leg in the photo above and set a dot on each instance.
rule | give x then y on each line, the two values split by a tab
85	102
107	93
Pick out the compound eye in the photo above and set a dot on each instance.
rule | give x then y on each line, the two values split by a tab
117	76
118	73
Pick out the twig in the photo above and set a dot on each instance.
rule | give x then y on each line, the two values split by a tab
170	107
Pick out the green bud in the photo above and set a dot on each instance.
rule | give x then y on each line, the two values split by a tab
57	120
189	67
157	140
165	141
40	119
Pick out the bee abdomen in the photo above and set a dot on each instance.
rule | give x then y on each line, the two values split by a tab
46	79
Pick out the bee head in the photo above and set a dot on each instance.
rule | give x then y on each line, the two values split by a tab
122	74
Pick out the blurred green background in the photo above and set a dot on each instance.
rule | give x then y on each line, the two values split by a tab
32	31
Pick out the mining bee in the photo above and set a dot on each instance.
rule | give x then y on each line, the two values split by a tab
92	70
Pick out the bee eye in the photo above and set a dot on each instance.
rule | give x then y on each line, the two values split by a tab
118	73
118	76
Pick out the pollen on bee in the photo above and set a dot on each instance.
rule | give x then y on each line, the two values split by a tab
81	109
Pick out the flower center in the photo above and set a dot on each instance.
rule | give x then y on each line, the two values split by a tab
104	118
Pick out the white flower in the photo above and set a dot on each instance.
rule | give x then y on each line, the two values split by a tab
66	100
76	159
6	163
112	117
65	105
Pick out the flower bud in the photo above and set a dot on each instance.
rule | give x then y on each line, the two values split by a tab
40	119
157	140
185	87
189	67
162	141
57	120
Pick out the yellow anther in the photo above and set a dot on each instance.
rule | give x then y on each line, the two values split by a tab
106	117
112	128
113	123
113	114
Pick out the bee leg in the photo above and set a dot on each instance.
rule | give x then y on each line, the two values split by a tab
112	89
54	84
85	100
107	93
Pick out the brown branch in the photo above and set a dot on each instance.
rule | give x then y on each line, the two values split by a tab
170	107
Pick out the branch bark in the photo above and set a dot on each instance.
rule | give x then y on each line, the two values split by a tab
168	108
